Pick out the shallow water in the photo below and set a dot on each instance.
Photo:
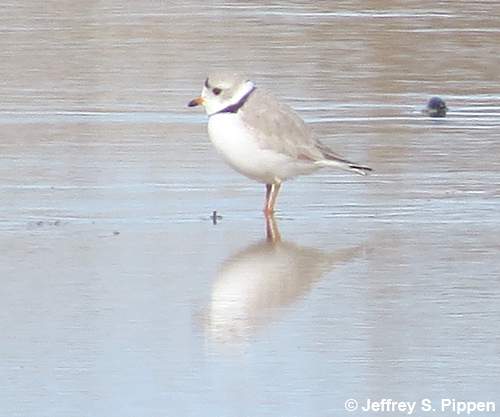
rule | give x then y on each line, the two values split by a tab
121	297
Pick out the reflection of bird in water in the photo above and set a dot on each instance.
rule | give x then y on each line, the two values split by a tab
256	282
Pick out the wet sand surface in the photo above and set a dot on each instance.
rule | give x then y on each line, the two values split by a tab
120	297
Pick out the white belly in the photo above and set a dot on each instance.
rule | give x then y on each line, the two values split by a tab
234	142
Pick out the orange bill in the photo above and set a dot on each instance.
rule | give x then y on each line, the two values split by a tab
196	102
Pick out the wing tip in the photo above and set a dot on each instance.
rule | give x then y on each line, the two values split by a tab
360	169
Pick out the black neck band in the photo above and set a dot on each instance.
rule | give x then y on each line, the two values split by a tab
233	108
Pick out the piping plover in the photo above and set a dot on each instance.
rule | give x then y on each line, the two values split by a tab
261	137
436	107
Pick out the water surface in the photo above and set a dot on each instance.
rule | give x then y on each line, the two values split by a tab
121	298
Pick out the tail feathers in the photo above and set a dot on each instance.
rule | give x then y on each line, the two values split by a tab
345	165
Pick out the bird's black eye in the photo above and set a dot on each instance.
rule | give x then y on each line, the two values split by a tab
216	91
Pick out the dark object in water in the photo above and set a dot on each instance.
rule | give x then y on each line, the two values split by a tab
436	107
215	217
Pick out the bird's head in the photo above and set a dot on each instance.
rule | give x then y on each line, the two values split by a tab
222	90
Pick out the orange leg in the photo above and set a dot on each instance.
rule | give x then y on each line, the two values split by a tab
268	194
272	231
272	191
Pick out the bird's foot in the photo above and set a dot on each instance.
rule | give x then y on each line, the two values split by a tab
268	212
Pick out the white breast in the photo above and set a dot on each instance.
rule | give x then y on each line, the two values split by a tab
236	145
